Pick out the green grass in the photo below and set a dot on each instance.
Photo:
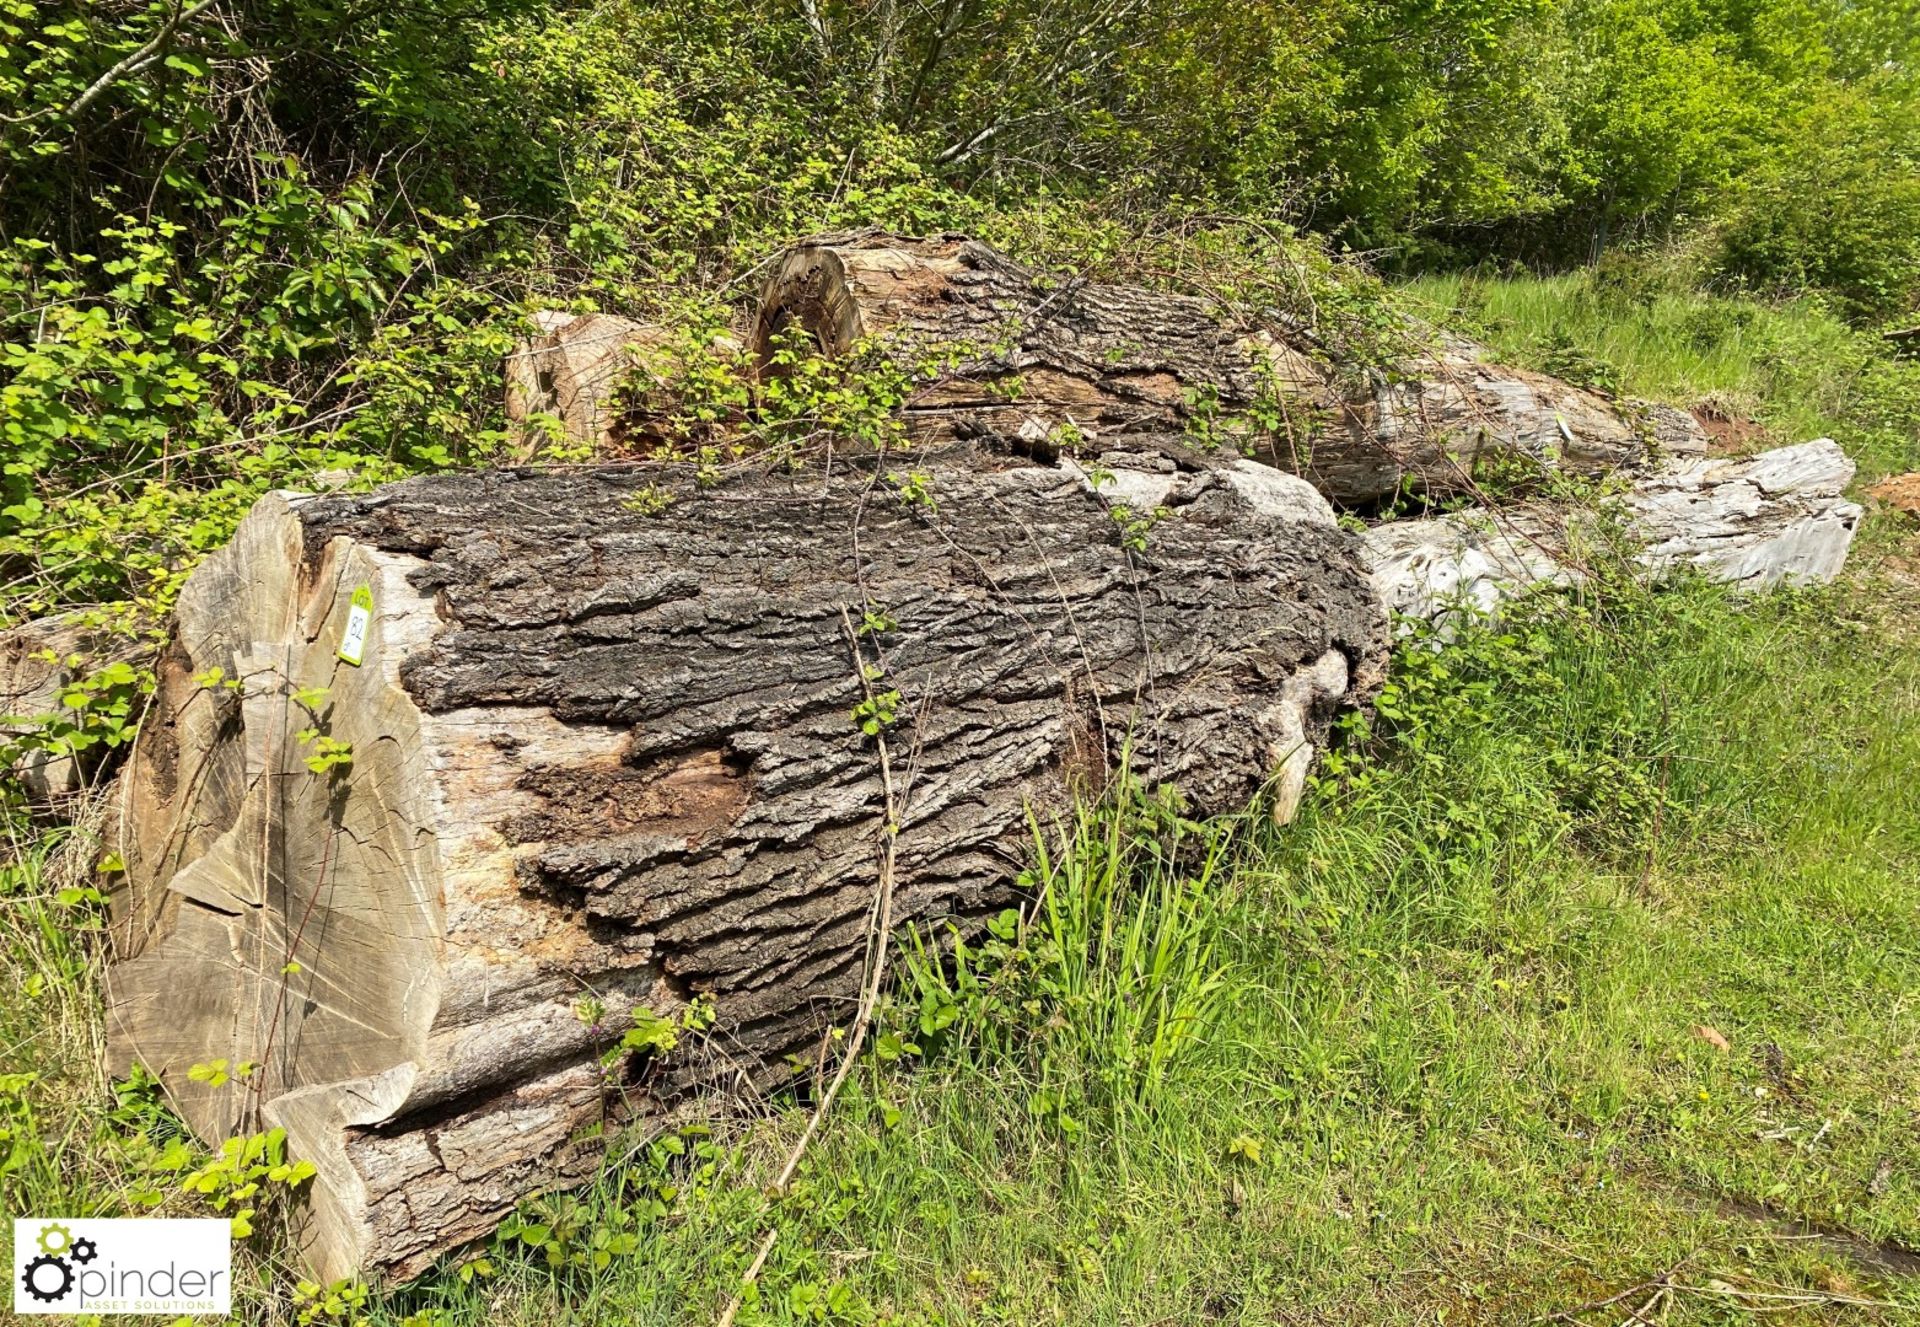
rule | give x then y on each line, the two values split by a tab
1453	1069
1460	1027
1793	366
1427	1055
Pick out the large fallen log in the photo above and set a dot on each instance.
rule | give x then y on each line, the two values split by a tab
600	763
1043	359
1778	518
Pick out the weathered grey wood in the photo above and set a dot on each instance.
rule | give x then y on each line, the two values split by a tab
599	752
1466	561
39	660
1122	364
1780	517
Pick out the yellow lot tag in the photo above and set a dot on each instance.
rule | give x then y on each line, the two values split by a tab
353	644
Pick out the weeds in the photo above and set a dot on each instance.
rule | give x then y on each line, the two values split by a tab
1442	1020
1429	1050
1634	328
1109	978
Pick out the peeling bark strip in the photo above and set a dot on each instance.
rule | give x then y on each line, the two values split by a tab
1122	364
602	753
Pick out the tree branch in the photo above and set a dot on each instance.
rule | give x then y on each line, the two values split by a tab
137	60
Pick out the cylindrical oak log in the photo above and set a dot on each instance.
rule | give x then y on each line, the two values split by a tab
1045	362
602	757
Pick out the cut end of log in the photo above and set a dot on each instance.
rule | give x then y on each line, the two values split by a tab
573	371
839	290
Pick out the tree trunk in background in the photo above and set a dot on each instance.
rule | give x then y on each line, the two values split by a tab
1042	360
604	751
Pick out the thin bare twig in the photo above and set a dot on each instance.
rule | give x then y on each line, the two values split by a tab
1658	1283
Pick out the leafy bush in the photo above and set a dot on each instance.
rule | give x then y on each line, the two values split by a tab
152	391
1836	207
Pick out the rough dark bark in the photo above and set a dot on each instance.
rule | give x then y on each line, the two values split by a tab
1122	364
600	749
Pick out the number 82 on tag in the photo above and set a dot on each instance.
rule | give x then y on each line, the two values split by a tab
353	642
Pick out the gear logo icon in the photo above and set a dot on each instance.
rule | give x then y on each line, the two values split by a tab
55	1239
43	1287
49	1277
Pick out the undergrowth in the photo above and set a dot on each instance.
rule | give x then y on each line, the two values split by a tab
1440	1046
1642	328
1591	959
1448	1045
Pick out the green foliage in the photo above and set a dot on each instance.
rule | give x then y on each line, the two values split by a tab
246	1174
567	1234
1657	108
157	383
337	1302
578	1236
1135	526
1559	354
99	712
645	1033
19	1136
218	1073
649	500
325	755
650	1033
226	313
1454	1002
879	711
1793	368
1109	978
1835	207
725	408
1450	688
286	244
